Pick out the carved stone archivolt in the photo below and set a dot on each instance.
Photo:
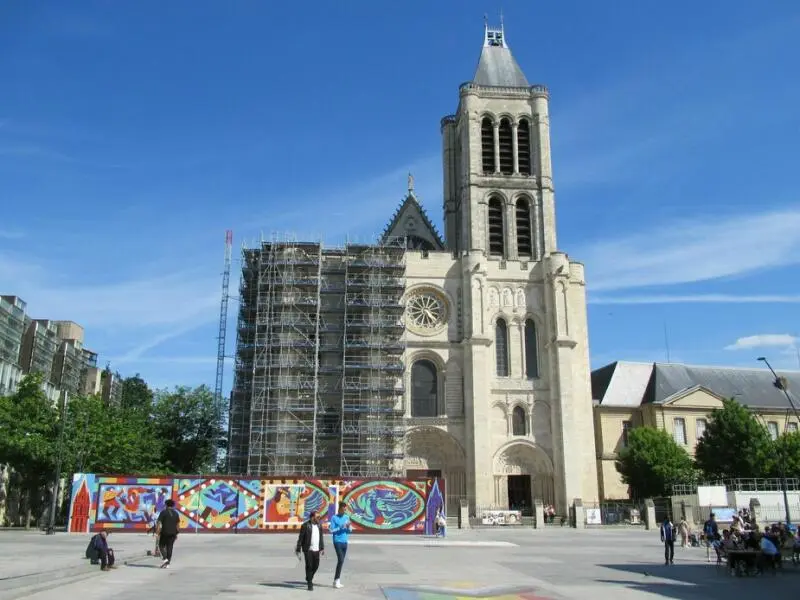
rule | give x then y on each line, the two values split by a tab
432	449
522	459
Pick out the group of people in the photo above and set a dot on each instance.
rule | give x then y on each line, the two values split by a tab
311	544
743	535
166	530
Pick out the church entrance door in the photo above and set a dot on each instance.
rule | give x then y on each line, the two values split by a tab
519	494
432	452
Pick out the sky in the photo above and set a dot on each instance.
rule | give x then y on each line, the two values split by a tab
132	135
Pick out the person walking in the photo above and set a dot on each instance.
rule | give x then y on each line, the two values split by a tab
312	544
683	529
167	527
668	537
711	533
340	530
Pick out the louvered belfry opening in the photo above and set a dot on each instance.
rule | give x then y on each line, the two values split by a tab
524	147
524	245
506	148
487	145
496	237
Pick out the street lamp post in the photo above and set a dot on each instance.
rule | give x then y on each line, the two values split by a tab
51	527
778	383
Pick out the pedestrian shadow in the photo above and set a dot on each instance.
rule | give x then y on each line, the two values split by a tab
285	585
141	566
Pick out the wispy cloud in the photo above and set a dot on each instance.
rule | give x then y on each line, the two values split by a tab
359	208
764	340
11	234
168	299
700	249
138	352
696	299
172	360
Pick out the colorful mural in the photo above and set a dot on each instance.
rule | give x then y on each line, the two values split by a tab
219	504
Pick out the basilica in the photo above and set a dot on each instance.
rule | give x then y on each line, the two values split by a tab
463	356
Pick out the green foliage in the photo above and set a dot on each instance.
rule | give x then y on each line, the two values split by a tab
110	439
136	395
735	444
652	461
29	428
185	419
786	448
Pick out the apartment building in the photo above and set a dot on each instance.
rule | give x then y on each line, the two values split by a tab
12	328
53	348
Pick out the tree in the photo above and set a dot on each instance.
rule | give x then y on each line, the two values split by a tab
734	444
652	462
786	448
136	394
110	439
29	424
186	420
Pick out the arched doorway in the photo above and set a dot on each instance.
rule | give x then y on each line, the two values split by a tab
523	473
431	452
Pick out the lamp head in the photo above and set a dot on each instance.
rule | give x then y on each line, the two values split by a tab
762	358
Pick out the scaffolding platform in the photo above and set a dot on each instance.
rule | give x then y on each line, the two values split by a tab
319	360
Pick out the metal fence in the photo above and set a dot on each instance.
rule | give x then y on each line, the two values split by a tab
762	484
631	513
769	513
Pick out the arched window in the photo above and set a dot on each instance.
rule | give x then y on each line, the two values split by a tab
487	145
506	148
524	245
531	350
501	347
518	425
524	147
424	389
496	233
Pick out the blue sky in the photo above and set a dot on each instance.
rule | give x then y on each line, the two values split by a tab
133	134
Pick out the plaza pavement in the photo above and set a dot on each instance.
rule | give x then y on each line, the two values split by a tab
554	563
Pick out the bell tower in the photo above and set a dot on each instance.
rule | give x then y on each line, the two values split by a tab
498	183
525	347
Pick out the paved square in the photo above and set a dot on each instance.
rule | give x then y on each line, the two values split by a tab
523	564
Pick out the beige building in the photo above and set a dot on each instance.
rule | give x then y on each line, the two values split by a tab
482	374
679	399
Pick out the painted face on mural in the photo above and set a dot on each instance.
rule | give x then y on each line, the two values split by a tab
283	504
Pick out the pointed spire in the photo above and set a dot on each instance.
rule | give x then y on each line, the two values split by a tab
497	67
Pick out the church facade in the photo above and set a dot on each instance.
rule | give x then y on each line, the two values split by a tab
498	396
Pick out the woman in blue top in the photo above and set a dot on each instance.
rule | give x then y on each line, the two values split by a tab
340	530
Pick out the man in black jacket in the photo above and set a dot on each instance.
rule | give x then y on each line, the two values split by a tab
312	544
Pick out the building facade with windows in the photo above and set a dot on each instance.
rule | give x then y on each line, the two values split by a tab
493	392
678	399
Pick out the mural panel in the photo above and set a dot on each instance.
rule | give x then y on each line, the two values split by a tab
217	504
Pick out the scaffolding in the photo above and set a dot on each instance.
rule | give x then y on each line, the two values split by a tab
318	372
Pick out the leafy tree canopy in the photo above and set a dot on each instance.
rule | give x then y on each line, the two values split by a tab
185	418
652	461
28	429
110	439
787	447
734	444
136	394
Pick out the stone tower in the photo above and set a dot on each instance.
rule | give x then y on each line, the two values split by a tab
525	345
